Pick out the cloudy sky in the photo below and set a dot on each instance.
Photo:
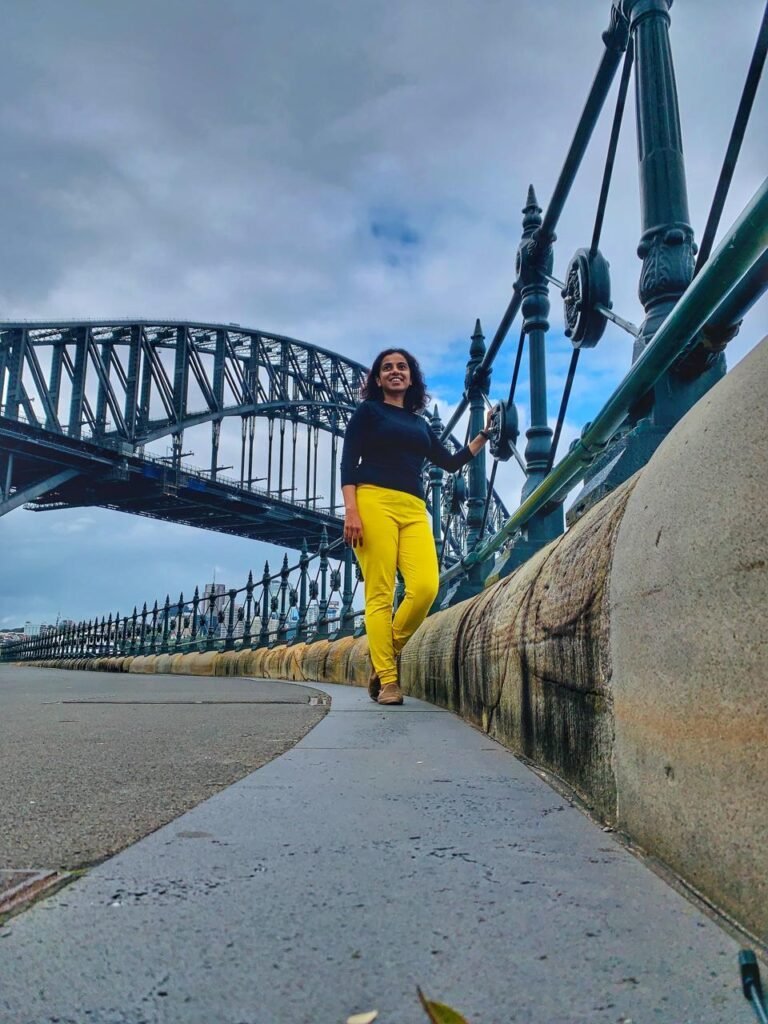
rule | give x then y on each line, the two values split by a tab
346	172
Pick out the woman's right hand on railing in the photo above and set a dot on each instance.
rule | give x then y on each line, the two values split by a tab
353	528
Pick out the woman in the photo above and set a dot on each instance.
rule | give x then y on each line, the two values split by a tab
386	521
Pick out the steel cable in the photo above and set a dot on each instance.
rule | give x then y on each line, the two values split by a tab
618	116
516	371
488	500
734	143
563	407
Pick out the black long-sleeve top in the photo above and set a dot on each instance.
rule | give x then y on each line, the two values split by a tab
386	445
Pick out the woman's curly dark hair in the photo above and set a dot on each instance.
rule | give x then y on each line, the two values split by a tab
416	397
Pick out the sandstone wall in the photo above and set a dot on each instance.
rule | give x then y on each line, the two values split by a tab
689	644
529	661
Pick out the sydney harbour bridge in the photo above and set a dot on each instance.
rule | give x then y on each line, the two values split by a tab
84	401
111	413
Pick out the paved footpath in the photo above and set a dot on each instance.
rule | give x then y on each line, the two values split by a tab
92	761
387	849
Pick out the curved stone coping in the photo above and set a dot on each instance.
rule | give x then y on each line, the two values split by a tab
689	644
343	661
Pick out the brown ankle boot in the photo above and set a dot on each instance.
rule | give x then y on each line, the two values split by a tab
391	694
374	686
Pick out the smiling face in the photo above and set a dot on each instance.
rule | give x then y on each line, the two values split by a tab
394	377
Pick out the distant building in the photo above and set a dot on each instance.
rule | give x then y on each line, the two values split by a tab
31	629
333	614
219	592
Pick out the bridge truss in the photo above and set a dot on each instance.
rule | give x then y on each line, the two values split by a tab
85	404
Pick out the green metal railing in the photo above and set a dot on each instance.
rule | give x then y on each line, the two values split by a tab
743	247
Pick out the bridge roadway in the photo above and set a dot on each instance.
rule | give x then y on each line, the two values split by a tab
387	849
89	473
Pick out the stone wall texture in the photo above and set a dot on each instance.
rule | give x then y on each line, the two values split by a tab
628	657
689	643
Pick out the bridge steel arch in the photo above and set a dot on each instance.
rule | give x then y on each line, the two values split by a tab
81	400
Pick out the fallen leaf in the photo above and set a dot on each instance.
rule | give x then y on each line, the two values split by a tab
363	1018
439	1013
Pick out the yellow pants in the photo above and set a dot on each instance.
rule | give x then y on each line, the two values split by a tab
397	534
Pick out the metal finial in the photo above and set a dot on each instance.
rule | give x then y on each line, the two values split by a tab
531	212
477	348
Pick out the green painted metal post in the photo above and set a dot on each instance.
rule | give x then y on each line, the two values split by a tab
180	621
534	260
301	627
229	640
436	488
477	383
210	633
195	614
346	619
322	616
248	615
282	627
166	616
667	249
154	628
265	607
666	246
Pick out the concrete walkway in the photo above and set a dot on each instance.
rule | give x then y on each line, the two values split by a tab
389	848
90	762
